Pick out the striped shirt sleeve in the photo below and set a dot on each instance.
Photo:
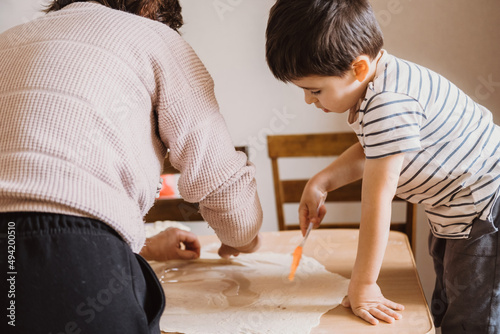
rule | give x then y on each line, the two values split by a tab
391	124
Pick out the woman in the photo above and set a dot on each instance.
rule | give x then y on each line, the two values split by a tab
91	97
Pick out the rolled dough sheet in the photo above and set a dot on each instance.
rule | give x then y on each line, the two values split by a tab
248	294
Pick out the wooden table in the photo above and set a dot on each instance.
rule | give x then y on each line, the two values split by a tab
336	250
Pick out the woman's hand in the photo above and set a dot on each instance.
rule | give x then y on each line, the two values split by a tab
368	303
226	251
172	244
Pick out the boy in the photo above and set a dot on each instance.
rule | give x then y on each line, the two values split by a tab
420	138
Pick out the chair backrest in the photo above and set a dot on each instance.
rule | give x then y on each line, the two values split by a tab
177	209
322	145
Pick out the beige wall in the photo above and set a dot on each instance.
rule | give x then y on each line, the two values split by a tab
460	39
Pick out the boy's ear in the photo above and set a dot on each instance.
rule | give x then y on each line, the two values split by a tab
361	67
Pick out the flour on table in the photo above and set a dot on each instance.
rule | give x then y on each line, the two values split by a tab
248	294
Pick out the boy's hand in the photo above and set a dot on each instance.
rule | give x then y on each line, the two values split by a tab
311	208
368	303
172	244
226	251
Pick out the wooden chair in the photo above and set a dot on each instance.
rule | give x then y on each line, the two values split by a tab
319	145
177	209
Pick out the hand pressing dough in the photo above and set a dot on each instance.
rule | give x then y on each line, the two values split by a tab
248	294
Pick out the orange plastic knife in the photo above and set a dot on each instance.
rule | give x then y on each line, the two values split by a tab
297	254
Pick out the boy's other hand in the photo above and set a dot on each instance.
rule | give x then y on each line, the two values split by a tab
368	303
172	244
311	207
226	251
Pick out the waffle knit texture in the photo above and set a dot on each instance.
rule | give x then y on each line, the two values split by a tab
91	99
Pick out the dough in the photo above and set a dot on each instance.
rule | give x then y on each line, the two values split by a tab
248	294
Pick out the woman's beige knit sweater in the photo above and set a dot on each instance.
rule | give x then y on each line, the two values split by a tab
90	100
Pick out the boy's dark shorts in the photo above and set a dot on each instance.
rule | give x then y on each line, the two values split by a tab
466	298
67	274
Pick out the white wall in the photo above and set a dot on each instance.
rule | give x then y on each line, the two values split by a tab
229	36
457	38
14	12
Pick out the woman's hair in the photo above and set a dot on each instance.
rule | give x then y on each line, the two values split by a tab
319	37
164	11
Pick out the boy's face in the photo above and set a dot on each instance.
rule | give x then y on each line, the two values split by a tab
332	94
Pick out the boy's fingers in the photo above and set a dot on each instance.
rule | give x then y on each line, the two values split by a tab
390	312
366	316
381	315
372	315
316	216
393	305
310	213
321	214
303	219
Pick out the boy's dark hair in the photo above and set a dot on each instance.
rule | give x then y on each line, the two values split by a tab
164	11
319	37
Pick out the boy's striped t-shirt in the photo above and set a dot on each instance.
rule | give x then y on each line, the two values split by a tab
451	145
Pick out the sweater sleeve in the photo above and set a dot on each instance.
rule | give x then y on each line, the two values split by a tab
213	173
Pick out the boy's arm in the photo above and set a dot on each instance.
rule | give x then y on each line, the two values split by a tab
347	168
380	180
